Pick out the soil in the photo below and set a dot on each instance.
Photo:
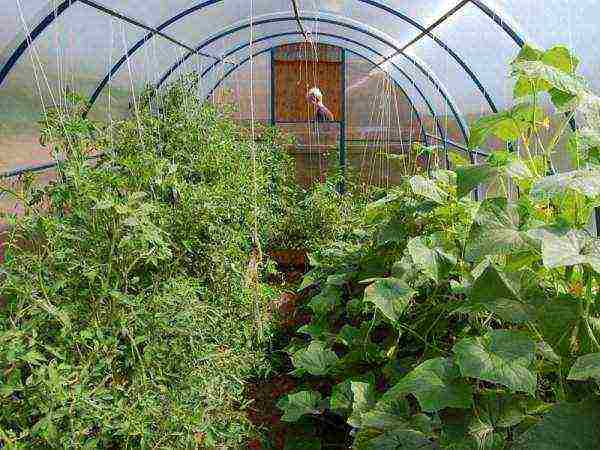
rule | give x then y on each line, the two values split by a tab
265	393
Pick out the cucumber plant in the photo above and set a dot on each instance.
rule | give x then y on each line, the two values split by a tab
461	324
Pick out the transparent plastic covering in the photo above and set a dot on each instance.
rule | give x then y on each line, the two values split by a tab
448	58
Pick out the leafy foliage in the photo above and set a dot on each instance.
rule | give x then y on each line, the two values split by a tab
474	324
128	319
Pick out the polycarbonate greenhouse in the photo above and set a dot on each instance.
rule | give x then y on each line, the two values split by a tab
447	59
300	224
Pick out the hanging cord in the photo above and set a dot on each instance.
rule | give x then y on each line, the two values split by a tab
367	141
378	132
256	259
403	153
41	77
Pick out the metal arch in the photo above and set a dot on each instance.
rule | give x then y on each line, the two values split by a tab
360	44
51	14
493	15
425	72
55	12
438	87
373	3
514	35
441	43
106	79
241	63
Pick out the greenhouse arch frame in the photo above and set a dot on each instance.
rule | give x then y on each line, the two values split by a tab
53	11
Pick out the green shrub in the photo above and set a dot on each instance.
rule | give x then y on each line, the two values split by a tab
128	319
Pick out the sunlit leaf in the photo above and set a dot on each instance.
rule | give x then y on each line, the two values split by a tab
363	399
427	188
507	125
569	249
583	181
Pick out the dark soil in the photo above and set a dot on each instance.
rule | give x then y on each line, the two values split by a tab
265	393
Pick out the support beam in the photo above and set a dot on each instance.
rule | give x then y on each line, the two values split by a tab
373	3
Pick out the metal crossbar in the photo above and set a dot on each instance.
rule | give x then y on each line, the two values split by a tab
426	32
296	11
38	167
131	20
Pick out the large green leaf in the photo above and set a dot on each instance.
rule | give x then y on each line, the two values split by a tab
431	258
394	440
569	249
496	292
568	426
342	397
389	413
561	58
501	356
552	71
507	125
316	359
583	181
363	399
469	177
567	326
349	335
586	367
495	230
299	404
323	303
391	296
493	284
501	410
543	77
529	53
437	384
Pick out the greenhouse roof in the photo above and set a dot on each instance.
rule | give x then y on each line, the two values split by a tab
448	56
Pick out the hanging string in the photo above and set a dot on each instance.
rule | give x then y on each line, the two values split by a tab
134	98
256	258
368	140
37	64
